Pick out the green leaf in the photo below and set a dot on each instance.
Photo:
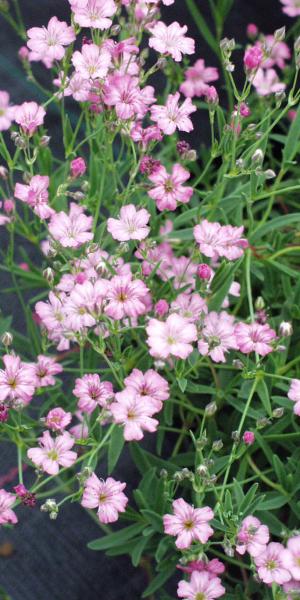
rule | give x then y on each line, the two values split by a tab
186	217
202	26
263	393
118	537
139	457
159	580
116	444
182	384
272	500
275	224
138	550
249	497
292	140
222	285
154	519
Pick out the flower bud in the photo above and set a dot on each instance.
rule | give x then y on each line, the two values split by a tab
45	141
161	63
235	436
278	413
238	364
84	475
252	31
161	307
77	167
248	438
297	45
204	271
279	34
3	172
217	445
115	30
48	274
263	422
7	339
285	329
163	473
4	413
211	409
257	158
259	303
269	174
202	470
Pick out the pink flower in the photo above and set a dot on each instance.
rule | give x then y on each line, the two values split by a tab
77	86
278	52
92	392
7	112
95	14
131	225
252	537
125	297
26	497
122	91
249	438
73	229
253	57
44	370
172	337
204	271
53	453
92	62
212	567
168	189
200	587
291	557
189	306
47	43
7	515
217	336
291	7
77	167
150	385
217	240
197	78
172	116
171	40
292	589
29	116
254	338
105	495
189	524
17	380
252	30
134	412
36	195
58	419
161	308
294	394
270	565
266	82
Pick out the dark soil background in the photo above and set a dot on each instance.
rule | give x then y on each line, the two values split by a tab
49	560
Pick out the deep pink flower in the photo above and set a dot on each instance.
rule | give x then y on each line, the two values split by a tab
204	271
200	587
254	338
294	394
26	497
17	380
252	30
105	495
161	308
270	565
252	537
131	225
266	82
125	297
196	79
47	43
29	116
134	412
58	419
77	167
217	240
144	136
4	413
253	58
249	438
92	62
189	524
212	567
7	112
35	194
217	336
171	116
168	188
92	392
53	453
7	515
173	337
73	229
44	370
150	385
95	14
291	7
171	40
291	557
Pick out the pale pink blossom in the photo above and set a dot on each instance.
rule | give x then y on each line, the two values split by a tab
144	136
95	14
17	380
190	306
149	385
44	370
7	515
252	537
51	312
201	586
92	62
168	189
77	86
7	112
270	566
217	240
29	116
278	52
36	195
105	495
255	337
131	224
92	392
291	557
196	79
188	524
172	116
217	336
294	394
170	39
58	419
134	412
53	452
125	297
47	43
266	82
123	92
73	229
291	7
173	337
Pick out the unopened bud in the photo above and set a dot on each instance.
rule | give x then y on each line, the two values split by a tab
285	329
279	34
259	303
248	438
263	422
202	470
235	436
297	45
115	30
278	413
237	363
269	174
84	474
48	274
7	338
258	157
45	140
211	409
217	445
163	473
240	163
161	63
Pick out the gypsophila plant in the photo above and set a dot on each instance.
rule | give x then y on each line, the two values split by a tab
161	309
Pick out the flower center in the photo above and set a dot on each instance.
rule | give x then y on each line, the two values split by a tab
189	524
53	455
169	186
171	340
102	498
200	596
122	297
271	565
